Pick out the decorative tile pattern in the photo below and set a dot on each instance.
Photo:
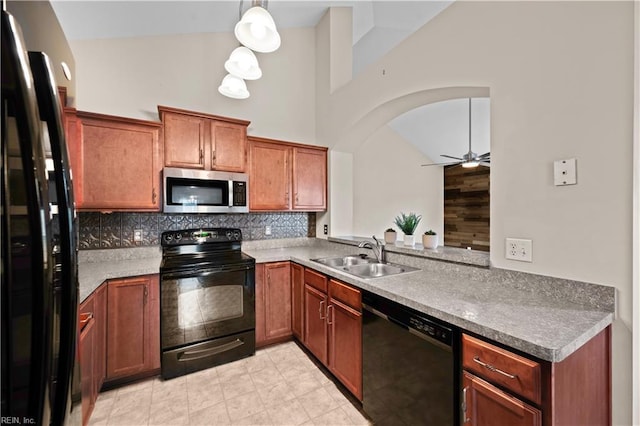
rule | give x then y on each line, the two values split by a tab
116	230
251	391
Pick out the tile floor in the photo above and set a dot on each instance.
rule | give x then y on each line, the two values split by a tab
280	385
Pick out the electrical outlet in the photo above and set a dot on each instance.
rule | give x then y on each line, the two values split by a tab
137	235
267	230
519	249
326	229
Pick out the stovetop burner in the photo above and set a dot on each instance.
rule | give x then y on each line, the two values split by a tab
202	248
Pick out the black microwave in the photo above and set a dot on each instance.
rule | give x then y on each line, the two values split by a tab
199	191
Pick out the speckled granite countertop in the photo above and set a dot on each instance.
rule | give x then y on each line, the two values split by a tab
546	317
96	266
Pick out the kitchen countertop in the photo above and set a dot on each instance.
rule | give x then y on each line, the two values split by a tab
546	317
96	266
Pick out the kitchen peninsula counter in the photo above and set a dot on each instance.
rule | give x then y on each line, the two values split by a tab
546	317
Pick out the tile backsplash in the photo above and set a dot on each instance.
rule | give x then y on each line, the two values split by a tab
115	230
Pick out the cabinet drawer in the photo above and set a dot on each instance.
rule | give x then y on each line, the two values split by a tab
315	280
516	373
345	294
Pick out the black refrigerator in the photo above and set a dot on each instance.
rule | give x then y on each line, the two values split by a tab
39	298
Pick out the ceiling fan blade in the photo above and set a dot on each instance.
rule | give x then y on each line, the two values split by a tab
449	156
484	163
485	155
439	164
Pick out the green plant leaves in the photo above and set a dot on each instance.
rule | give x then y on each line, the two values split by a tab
408	222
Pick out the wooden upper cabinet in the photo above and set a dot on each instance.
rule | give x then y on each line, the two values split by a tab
197	140
309	179
115	162
228	146
285	176
184	140
269	176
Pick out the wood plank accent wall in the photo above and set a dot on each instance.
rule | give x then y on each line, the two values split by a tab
466	207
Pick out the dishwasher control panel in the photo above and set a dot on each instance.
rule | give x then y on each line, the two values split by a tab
431	329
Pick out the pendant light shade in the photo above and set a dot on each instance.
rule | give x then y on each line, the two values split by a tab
243	63
257	30
233	87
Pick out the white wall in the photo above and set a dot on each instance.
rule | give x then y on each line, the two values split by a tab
388	179
42	32
130	76
560	76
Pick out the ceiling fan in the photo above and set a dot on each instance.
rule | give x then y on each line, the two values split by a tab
470	159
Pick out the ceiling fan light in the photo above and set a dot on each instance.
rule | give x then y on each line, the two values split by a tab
243	64
470	164
257	30
233	87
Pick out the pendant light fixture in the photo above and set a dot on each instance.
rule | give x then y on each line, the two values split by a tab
243	64
233	87
257	30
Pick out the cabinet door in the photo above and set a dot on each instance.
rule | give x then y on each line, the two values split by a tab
100	315
74	147
315	327
487	405
269	176
184	140
228	146
297	300
86	352
277	300
345	345
129	342
309	179
120	162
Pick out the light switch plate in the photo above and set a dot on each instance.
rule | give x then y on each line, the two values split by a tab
564	172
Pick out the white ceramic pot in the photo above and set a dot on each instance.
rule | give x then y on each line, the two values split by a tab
430	241
390	237
409	240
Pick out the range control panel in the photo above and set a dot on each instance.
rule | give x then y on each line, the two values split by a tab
201	236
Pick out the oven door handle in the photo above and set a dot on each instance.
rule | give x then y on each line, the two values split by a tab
206	272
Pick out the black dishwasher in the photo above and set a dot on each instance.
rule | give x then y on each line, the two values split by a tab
410	365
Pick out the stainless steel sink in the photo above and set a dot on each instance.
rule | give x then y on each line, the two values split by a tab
375	270
339	262
364	267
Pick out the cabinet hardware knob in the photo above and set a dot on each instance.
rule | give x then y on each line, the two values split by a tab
490	367
153	195
146	295
320	310
213	157
201	155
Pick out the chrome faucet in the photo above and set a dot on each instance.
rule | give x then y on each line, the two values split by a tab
378	249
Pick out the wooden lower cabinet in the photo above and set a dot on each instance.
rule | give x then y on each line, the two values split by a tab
86	353
315	325
297	300
133	338
333	327
500	387
345	342
486	405
92	322
273	303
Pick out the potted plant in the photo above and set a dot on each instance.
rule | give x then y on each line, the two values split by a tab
430	239
390	236
408	224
